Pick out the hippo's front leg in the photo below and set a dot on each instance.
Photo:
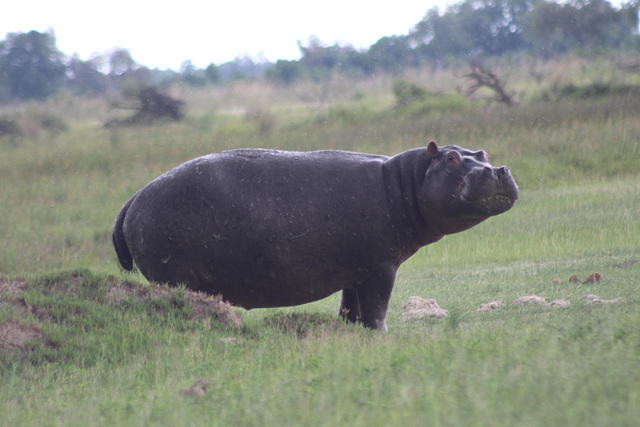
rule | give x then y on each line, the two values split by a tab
350	306
372	296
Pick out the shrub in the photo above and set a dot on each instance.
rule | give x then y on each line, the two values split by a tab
407	93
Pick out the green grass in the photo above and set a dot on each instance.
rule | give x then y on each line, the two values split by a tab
125	364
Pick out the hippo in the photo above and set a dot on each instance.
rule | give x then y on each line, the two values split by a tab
267	228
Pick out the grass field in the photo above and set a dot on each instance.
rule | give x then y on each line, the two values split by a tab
130	361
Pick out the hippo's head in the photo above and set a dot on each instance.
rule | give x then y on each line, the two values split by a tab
463	189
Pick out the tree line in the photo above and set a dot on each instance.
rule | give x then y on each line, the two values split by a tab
31	67
476	29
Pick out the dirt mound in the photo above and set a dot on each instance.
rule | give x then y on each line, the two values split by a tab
419	308
203	306
534	299
16	336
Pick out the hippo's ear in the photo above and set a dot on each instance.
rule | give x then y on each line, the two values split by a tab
432	149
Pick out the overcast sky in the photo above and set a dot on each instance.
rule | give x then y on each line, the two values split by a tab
164	34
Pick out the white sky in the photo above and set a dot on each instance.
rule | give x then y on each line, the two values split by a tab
164	34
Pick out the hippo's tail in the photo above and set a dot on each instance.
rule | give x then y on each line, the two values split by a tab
119	243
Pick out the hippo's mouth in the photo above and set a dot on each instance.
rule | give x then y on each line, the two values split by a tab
491	205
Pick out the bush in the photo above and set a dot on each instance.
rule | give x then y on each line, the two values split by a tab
407	93
8	127
595	90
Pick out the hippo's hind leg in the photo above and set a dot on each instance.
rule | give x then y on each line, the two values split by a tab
368	303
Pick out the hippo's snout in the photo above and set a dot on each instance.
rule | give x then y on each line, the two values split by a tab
507	184
489	190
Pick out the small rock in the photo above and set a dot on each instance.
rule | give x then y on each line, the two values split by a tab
228	340
575	279
557	281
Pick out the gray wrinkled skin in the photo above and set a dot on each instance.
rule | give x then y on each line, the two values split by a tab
267	228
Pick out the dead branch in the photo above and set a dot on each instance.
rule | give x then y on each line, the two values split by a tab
483	77
153	106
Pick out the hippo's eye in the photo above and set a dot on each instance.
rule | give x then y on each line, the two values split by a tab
452	160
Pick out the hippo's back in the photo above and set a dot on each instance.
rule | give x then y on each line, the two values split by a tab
262	227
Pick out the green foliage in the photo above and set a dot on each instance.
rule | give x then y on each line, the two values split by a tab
596	90
30	65
441	39
285	72
212	74
85	77
407	93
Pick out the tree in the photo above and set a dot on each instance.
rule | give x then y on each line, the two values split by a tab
85	78
125	73
483	77
472	27
31	67
316	55
391	53
353	60
285	72
192	75
213	74
552	28
120	62
152	106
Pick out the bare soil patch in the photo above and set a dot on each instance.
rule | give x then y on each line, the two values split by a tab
12	288
15	336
